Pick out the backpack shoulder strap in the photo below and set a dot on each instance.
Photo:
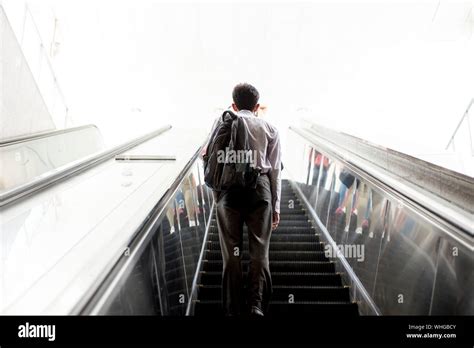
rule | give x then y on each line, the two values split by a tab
229	113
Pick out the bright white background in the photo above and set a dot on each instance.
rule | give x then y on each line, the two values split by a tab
398	73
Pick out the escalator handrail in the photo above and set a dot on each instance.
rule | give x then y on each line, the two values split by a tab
449	218
448	185
39	135
55	176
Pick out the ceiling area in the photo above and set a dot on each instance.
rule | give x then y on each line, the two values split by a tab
398	73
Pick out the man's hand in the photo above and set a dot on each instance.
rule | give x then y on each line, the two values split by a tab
276	220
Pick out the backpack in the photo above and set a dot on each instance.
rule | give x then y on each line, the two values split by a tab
222	170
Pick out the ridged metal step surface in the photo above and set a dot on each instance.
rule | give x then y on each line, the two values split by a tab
276	255
304	280
279	266
279	237
283	309
290	294
284	278
278	246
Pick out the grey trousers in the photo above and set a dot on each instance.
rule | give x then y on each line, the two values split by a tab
254	208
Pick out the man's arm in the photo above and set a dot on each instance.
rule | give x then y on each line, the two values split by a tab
274	157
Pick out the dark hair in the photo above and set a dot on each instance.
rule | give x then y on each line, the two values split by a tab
245	96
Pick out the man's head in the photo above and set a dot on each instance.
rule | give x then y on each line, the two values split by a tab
245	97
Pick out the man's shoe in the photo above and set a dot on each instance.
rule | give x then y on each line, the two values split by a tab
256	312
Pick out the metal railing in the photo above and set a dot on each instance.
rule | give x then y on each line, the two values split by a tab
448	217
40	135
444	184
55	176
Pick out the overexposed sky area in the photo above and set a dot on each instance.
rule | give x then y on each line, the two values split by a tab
399	73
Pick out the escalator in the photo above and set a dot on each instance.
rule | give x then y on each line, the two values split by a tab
304	280
406	229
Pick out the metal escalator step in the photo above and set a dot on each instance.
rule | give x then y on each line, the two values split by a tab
300	222
284	199
296	229
279	266
295	223
290	217
292	212
279	237
214	308
287	293
276	255
284	278
294	237
278	246
280	229
289	211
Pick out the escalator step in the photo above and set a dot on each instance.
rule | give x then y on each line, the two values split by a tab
278	246
278	237
319	309
291	217
276	255
284	278
279	266
289	223
288	293
297	212
280	229
303	222
287	199
286	211
296	230
295	223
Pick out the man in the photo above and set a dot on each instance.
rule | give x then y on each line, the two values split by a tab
258	208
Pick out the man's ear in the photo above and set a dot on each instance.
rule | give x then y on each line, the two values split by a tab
235	107
256	108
